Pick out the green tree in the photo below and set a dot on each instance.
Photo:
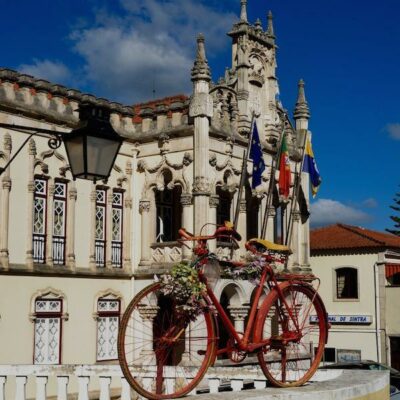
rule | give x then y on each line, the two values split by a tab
395	218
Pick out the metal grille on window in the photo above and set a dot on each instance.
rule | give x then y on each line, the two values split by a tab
39	221
100	228
47	331
59	222
116	234
107	329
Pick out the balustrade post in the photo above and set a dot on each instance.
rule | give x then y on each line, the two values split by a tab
125	389
213	384
241	227
20	389
105	382
62	384
237	384
41	382
3	380
260	383
83	383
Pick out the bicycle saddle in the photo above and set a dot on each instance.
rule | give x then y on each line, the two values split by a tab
270	245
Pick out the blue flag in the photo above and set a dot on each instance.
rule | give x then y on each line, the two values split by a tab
257	157
310	166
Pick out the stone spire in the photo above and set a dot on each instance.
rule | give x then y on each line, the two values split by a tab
270	25
301	111
243	11
201	70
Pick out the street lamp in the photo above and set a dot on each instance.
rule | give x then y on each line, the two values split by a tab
91	148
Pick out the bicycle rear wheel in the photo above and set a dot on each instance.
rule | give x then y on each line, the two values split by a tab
161	354
298	331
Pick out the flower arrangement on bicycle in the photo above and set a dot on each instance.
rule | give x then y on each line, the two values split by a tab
168	336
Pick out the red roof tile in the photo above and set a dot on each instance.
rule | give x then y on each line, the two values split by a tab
166	101
343	237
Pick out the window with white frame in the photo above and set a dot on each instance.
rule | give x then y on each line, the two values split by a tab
346	283
39	220
100	228
48	327
117	226
59	222
108	312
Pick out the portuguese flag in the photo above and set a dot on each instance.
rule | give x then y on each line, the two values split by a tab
284	170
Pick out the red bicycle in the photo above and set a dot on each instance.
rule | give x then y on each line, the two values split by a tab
164	354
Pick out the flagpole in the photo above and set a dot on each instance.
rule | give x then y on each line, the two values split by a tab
271	185
296	190
246	154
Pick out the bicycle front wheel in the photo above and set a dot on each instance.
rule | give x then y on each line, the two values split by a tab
297	328
163	355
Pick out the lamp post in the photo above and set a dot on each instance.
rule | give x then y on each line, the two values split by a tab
91	148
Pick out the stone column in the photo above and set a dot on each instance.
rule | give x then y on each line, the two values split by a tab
20	387
92	244
70	245
41	382
144	209
242	223
270	224
49	225
3	380
148	313
108	228
239	314
200	110
305	231
295	242
62	385
187	223
5	206
127	249
214	202
30	204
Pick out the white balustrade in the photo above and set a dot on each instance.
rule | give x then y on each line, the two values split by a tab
79	380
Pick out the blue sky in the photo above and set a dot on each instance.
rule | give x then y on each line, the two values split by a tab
347	52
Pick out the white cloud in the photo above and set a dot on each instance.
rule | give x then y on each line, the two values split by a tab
152	45
53	71
393	130
370	203
327	211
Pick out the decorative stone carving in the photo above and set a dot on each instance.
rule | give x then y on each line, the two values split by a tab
201	185
186	199
242	206
144	206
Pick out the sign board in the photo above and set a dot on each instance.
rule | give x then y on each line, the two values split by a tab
345	319
348	355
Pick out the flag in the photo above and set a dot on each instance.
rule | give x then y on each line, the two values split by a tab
284	170
303	207
257	157
310	166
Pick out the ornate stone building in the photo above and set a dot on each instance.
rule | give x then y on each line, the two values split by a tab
72	254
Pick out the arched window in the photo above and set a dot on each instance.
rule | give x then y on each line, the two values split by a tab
169	210
107	315
48	310
346	283
59	221
40	220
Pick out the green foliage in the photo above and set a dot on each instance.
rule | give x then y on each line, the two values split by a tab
395	218
184	287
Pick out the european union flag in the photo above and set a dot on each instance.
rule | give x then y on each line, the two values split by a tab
257	157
